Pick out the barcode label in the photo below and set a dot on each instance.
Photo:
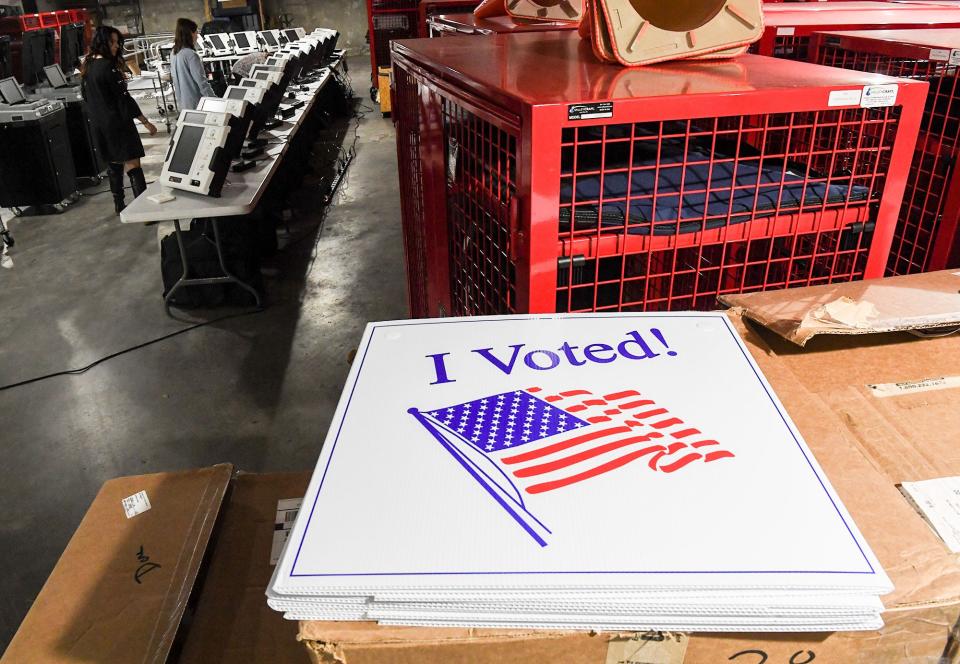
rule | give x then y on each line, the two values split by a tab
136	504
287	510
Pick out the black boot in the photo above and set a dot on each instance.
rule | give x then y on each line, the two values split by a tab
137	182
116	186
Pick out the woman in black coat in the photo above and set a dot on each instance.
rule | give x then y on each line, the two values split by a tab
112	110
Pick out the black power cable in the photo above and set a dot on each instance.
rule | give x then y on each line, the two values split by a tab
84	369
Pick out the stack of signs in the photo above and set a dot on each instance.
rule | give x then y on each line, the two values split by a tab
622	471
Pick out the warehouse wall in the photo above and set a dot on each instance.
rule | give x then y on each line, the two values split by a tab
348	16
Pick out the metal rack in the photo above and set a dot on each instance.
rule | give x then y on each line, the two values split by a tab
538	180
789	26
928	233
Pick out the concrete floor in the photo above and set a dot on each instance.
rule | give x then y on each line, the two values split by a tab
257	391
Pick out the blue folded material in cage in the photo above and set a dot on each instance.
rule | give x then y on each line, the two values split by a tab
764	190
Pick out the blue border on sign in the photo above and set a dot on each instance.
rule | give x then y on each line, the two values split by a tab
743	351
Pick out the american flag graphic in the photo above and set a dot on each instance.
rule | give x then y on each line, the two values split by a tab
529	442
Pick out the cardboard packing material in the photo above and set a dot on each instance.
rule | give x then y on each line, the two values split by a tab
866	443
232	622
91	609
120	589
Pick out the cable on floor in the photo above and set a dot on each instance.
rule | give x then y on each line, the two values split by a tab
84	369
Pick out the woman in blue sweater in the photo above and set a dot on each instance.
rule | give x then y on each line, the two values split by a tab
189	78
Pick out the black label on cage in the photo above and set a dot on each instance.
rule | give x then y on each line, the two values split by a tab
601	109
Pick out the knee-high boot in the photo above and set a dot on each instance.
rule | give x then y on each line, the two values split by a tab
137	182
115	176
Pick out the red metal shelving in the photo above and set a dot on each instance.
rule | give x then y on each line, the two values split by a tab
928	233
788	26
661	194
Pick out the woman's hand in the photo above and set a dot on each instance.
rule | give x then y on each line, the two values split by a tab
151	128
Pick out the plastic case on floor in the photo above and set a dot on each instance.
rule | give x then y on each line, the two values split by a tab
928	233
535	179
788	26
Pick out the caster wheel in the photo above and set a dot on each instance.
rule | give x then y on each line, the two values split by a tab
373	94
7	238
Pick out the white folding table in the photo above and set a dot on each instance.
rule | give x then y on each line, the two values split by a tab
240	195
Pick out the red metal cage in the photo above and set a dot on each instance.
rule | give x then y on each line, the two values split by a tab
536	179
388	20
788	26
926	237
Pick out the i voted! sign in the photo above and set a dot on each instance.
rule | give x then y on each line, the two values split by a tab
530	440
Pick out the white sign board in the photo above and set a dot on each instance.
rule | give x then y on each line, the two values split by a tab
591	451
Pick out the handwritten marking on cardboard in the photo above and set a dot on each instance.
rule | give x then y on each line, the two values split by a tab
799	657
146	565
136	504
882	390
287	510
938	501
649	648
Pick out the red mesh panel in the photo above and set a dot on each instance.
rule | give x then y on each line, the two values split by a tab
481	189
411	174
717	206
930	178
792	47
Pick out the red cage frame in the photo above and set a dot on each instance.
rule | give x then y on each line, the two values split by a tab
490	137
788	26
928	232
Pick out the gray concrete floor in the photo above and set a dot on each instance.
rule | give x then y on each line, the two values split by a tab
257	391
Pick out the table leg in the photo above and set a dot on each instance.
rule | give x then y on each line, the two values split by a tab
185	279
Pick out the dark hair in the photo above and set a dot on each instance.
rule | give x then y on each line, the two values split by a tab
100	46
183	35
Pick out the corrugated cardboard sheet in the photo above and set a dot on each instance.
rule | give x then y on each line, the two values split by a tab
866	444
911	302
120	589
232	622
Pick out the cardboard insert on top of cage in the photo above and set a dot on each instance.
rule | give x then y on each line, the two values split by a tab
641	32
546	10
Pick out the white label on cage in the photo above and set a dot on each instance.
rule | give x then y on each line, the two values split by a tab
844	98
781	32
939	54
955	56
876	96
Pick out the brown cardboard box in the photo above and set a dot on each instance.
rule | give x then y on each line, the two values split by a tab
93	610
867	445
120	589
232	622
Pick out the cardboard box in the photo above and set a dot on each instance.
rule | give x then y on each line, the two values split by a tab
202	555
120	589
867	444
232	622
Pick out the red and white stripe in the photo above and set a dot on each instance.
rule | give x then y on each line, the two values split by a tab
628	427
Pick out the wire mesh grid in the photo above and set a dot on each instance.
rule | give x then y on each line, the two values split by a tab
481	163
667	215
923	215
